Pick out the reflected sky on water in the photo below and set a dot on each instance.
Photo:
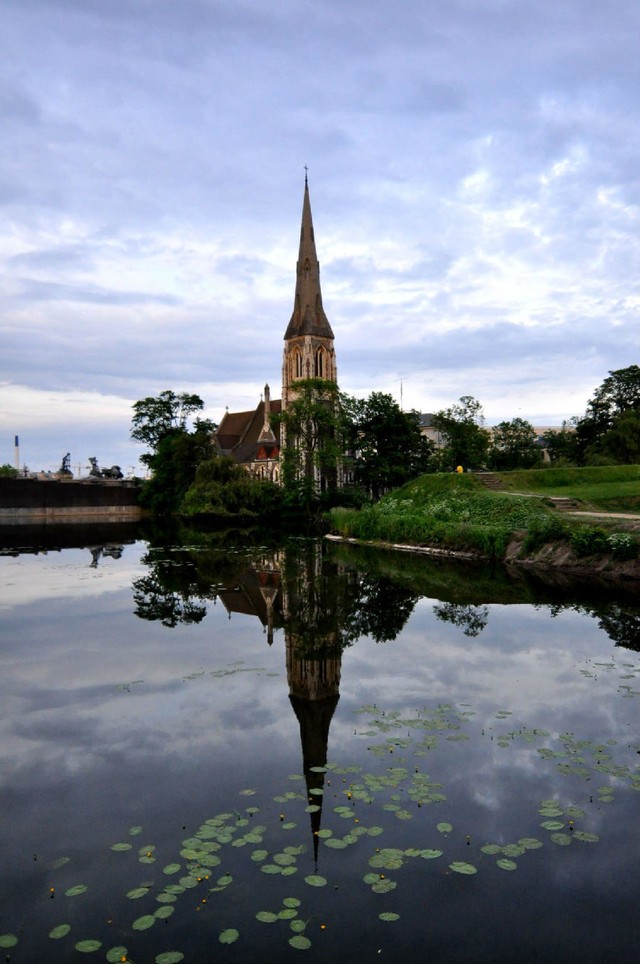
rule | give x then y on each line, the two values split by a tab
161	686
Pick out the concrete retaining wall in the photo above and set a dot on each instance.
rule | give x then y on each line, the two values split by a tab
29	500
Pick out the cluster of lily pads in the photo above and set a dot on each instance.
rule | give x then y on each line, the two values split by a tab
237	846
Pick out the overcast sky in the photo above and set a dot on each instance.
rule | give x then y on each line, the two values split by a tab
474	179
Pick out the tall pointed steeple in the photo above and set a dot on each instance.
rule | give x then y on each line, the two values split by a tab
308	340
308	316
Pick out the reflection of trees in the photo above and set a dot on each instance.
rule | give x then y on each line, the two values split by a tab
336	595
470	619
172	591
380	609
331	605
622	627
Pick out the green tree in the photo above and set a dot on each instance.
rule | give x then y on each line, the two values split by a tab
562	445
608	430
8	472
224	488
174	465
157	417
388	446
466	439
314	428
514	445
176	452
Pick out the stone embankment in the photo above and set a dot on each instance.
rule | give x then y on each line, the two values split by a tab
39	500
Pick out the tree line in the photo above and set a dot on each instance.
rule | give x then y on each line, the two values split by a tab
343	449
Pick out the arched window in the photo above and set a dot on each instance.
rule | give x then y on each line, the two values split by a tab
319	363
297	364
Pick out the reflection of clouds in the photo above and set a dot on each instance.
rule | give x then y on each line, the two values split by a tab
63	706
29	579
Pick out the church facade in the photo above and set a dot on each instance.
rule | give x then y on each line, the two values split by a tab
253	438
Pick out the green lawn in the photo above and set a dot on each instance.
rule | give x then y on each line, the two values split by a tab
614	487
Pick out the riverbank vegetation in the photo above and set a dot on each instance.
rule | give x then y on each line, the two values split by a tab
456	513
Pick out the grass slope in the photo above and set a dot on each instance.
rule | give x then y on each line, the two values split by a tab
613	487
456	512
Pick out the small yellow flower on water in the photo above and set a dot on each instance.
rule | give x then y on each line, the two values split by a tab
323	927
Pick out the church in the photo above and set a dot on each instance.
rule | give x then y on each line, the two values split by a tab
251	437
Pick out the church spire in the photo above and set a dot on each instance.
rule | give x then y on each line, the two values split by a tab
308	316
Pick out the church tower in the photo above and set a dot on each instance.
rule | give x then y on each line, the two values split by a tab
308	340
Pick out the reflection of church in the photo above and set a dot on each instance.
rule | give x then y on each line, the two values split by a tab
293	593
252	438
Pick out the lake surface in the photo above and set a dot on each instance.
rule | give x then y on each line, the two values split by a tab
216	751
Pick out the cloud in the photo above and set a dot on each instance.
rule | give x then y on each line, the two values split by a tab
474	182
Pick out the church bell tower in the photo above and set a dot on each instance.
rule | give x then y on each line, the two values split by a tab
308	342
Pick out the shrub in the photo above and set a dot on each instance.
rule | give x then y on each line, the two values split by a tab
589	541
622	545
547	528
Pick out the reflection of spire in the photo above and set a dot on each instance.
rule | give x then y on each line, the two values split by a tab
311	605
314	691
314	718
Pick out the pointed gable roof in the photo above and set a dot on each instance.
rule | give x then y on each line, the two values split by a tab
308	316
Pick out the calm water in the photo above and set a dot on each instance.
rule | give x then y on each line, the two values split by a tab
319	737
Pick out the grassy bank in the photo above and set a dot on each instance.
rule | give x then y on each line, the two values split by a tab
456	512
613	487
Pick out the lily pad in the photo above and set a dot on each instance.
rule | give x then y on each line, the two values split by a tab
60	931
230	936
315	880
507	864
76	891
491	848
389	915
164	911
8	940
170	957
444	827
115	954
266	917
462	867
88	947
561	839
144	923
300	942
137	892
171	869
121	846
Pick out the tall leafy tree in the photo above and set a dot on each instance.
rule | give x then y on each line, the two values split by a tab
562	445
466	440
176	452
313	424
514	445
610	428
388	447
156	417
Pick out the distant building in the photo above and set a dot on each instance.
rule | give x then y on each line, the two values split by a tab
439	440
250	437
